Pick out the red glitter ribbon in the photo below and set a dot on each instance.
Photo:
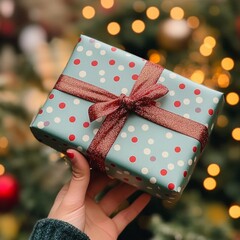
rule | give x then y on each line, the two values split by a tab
116	109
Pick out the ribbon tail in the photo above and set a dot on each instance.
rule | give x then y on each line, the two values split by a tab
105	137
175	122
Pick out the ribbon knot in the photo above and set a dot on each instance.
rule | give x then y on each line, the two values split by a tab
127	102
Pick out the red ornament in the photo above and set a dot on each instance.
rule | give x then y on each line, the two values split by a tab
9	192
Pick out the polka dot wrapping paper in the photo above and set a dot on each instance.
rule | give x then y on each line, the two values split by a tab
151	157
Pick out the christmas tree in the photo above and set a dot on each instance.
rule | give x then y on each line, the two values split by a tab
197	39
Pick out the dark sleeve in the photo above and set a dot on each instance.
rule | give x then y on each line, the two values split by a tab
52	229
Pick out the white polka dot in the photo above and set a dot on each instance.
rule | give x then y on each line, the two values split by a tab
82	74
161	79
99	119
179	189
89	53
102	80
80	49
101	72
165	154
186	101
153	180
144	170
131	128
76	101
49	109
102	52
117	147
95	131
147	151
186	115
180	163
215	100
171	93
57	119
120	67
169	135
170	166
85	138
79	148
126	172
199	99
172	75
107	168
150	141
190	162
119	172
40	124
97	45
145	127
123	135
124	90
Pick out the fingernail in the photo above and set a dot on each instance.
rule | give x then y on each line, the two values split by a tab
70	154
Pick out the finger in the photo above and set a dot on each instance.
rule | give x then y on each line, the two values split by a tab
112	200
80	179
123	218
98	183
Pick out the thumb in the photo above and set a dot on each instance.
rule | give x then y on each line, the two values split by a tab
80	178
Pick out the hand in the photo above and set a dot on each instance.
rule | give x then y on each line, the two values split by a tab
76	204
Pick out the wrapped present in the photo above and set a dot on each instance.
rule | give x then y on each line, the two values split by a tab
141	123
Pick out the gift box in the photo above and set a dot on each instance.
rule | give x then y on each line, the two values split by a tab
142	124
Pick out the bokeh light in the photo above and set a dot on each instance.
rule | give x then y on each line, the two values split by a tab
210	41
139	6
113	28
213	169
205	50
232	98
107	3
2	169
222	121
236	134
223	80
155	57
198	76
177	13
88	12
234	211
3	142
153	13
209	183
138	26
193	22
227	63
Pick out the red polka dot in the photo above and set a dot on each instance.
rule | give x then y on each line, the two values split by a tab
113	165
134	77
194	149
131	64
210	111
40	111
185	173
86	124
182	86
138	178
62	105
77	61
197	91
71	137
51	96
112	62
177	103
116	78
177	149
113	49
132	159
134	139
94	63
163	172
198	110
72	119
171	186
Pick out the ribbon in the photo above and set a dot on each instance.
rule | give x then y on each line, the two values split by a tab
116	109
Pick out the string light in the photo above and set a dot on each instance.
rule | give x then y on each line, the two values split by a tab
236	134
223	80
153	13
107	3
138	26
234	211
209	183
177	13
227	63
213	169
113	28
222	121
193	22
88	12
232	98
2	169
198	76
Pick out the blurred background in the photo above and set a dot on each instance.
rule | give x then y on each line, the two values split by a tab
197	39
